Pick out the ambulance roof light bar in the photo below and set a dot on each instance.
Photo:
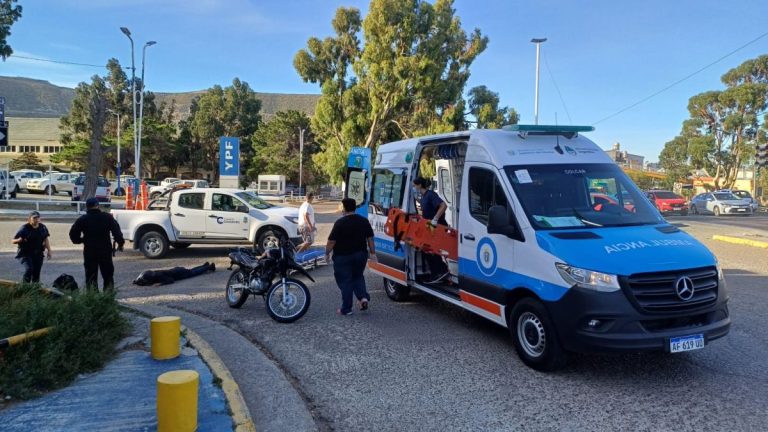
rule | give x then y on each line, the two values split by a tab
566	131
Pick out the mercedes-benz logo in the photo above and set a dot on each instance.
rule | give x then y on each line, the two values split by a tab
684	288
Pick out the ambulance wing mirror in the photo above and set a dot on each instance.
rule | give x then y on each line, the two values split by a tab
501	222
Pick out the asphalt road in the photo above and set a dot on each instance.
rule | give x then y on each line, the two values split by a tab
756	221
429	366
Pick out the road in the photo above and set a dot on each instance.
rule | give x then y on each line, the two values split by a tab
429	366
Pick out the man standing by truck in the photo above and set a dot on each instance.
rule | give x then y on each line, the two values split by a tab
93	231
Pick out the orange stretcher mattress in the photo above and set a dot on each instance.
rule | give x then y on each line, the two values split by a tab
418	232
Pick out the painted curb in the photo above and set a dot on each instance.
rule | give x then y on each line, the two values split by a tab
738	240
240	414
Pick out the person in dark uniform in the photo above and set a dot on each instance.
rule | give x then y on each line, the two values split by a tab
32	239
93	230
432	208
169	276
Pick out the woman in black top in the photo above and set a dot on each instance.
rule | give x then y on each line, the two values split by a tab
32	239
351	241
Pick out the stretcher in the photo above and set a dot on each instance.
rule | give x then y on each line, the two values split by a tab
311	258
419	233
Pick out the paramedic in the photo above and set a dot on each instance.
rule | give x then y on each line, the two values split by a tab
433	209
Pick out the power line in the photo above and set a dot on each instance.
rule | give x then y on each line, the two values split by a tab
552	77
682	79
57	61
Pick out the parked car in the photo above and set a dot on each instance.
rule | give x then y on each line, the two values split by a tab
208	216
66	182
668	202
156	191
102	190
7	185
744	195
25	175
51	182
719	203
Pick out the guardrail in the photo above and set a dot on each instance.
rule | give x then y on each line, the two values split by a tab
50	208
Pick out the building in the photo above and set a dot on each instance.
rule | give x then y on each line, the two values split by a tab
626	159
31	135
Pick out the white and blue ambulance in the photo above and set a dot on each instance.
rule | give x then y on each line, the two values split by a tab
555	243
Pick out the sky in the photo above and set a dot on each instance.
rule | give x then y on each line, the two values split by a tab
600	57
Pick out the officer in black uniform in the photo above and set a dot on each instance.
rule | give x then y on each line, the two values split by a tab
93	231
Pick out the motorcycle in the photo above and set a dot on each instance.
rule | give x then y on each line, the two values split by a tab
287	299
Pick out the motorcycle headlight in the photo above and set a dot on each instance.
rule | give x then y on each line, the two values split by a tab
292	219
596	281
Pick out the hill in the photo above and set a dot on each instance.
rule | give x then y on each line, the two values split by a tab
27	97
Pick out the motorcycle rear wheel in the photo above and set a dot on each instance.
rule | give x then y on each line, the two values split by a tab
237	289
296	301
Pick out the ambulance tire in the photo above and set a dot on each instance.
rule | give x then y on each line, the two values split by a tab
534	336
395	291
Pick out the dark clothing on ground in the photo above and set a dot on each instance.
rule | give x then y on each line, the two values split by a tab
351	234
93	230
165	277
348	272
430	203
31	249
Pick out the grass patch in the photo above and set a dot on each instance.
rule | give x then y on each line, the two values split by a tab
85	332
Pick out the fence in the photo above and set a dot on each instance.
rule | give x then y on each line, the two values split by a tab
52	207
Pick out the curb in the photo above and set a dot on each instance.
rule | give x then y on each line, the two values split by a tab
738	240
241	416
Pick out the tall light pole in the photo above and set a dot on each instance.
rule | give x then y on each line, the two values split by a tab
538	42
133	96
301	155
117	114
141	102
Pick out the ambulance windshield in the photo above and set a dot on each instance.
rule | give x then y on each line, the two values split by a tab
580	196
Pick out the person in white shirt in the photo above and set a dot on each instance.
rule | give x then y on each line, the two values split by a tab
307	226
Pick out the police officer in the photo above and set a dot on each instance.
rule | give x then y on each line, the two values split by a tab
93	230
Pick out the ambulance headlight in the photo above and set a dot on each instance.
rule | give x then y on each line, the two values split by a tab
596	281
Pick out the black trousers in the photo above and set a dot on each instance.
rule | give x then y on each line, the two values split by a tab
95	262
179	273
32	266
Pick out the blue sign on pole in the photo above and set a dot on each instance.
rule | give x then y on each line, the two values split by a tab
229	156
359	178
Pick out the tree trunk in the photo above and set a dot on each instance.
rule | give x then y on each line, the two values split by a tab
98	107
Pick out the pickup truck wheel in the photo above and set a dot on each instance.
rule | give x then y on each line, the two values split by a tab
180	245
534	336
268	239
153	245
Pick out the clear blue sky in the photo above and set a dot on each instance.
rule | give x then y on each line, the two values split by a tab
603	54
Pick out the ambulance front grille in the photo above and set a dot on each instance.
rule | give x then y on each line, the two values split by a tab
657	292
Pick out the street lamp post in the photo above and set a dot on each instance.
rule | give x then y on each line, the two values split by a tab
117	114
301	155
141	101
133	96
538	42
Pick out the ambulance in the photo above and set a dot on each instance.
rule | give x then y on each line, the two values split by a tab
546	236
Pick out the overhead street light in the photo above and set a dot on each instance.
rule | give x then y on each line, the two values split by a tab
538	42
133	105
141	102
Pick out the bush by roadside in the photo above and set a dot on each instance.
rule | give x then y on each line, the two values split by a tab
84	334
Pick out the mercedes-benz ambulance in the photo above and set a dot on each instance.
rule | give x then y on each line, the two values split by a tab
555	243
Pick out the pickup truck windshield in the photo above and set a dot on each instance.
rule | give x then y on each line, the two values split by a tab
253	200
567	196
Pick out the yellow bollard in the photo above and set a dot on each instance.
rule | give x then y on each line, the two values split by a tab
177	401
165	333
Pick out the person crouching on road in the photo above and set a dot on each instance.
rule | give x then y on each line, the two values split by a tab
351	242
307	226
32	239
93	231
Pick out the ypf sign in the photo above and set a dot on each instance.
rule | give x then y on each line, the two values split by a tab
229	161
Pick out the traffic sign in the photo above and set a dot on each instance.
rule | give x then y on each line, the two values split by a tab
4	136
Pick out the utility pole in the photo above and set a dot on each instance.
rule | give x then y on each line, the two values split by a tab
141	102
538	42
137	168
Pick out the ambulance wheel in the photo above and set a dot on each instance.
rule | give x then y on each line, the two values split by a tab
395	291
534	336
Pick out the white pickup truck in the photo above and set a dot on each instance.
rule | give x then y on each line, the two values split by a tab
208	216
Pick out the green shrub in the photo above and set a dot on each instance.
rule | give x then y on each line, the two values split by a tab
85	331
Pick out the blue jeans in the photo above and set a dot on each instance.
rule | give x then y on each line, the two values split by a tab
32	266
348	271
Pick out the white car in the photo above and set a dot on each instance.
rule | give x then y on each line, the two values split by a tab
102	190
66	182
156	191
52	183
208	216
25	175
744	196
7	183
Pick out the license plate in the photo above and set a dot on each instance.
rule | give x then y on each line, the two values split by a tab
686	343
741	210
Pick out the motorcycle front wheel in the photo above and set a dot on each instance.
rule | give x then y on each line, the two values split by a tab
237	292
289	301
